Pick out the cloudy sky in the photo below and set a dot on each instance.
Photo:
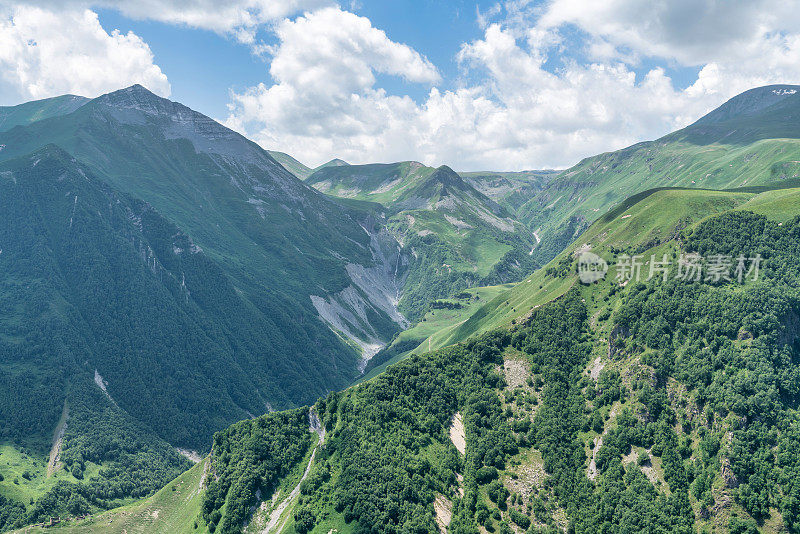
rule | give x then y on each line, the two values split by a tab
476	85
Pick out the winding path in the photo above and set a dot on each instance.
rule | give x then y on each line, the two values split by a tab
275	524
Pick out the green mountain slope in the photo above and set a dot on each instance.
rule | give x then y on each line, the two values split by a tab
754	139
29	112
641	223
666	405
455	237
291	164
170	277
280	241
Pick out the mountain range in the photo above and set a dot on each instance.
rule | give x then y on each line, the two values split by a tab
455	236
164	277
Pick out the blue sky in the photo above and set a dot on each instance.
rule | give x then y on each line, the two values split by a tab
202	65
475	84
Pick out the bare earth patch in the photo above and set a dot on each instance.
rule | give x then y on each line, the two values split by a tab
597	366
515	372
457	435
444	512
530	476
54	463
598	442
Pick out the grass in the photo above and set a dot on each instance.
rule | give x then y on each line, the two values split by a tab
589	189
643	224
172	510
376	182
777	205
435	322
14	463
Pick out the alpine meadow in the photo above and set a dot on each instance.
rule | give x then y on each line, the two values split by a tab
458	267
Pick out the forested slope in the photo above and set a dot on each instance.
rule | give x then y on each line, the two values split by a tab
653	406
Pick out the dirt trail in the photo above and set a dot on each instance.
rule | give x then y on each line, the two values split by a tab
58	437
275	524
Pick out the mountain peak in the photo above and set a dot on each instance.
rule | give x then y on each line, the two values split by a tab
336	162
749	103
446	176
139	98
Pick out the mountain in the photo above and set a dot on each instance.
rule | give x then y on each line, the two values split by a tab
297	168
578	414
753	139
162	278
634	405
510	189
335	162
749	104
29	112
455	236
291	164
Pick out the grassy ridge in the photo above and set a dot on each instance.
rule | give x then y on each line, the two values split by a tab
643	222
744	145
172	510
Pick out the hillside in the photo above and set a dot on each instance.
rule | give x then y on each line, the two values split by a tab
291	164
280	241
163	277
29	112
455	236
510	189
754	139
298	169
634	405
169	277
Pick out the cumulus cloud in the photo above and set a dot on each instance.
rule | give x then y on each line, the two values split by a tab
324	99
240	18
738	44
519	111
43	54
548	82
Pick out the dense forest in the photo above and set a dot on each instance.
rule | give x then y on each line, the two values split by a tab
699	406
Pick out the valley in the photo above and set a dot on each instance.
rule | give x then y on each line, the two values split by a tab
393	347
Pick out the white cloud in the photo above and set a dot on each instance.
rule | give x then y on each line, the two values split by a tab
519	112
324	100
737	43
240	18
43	54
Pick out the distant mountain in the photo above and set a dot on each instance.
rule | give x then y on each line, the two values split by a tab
455	236
510	189
298	169
291	164
749	104
254	290
336	162
29	112
753	139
